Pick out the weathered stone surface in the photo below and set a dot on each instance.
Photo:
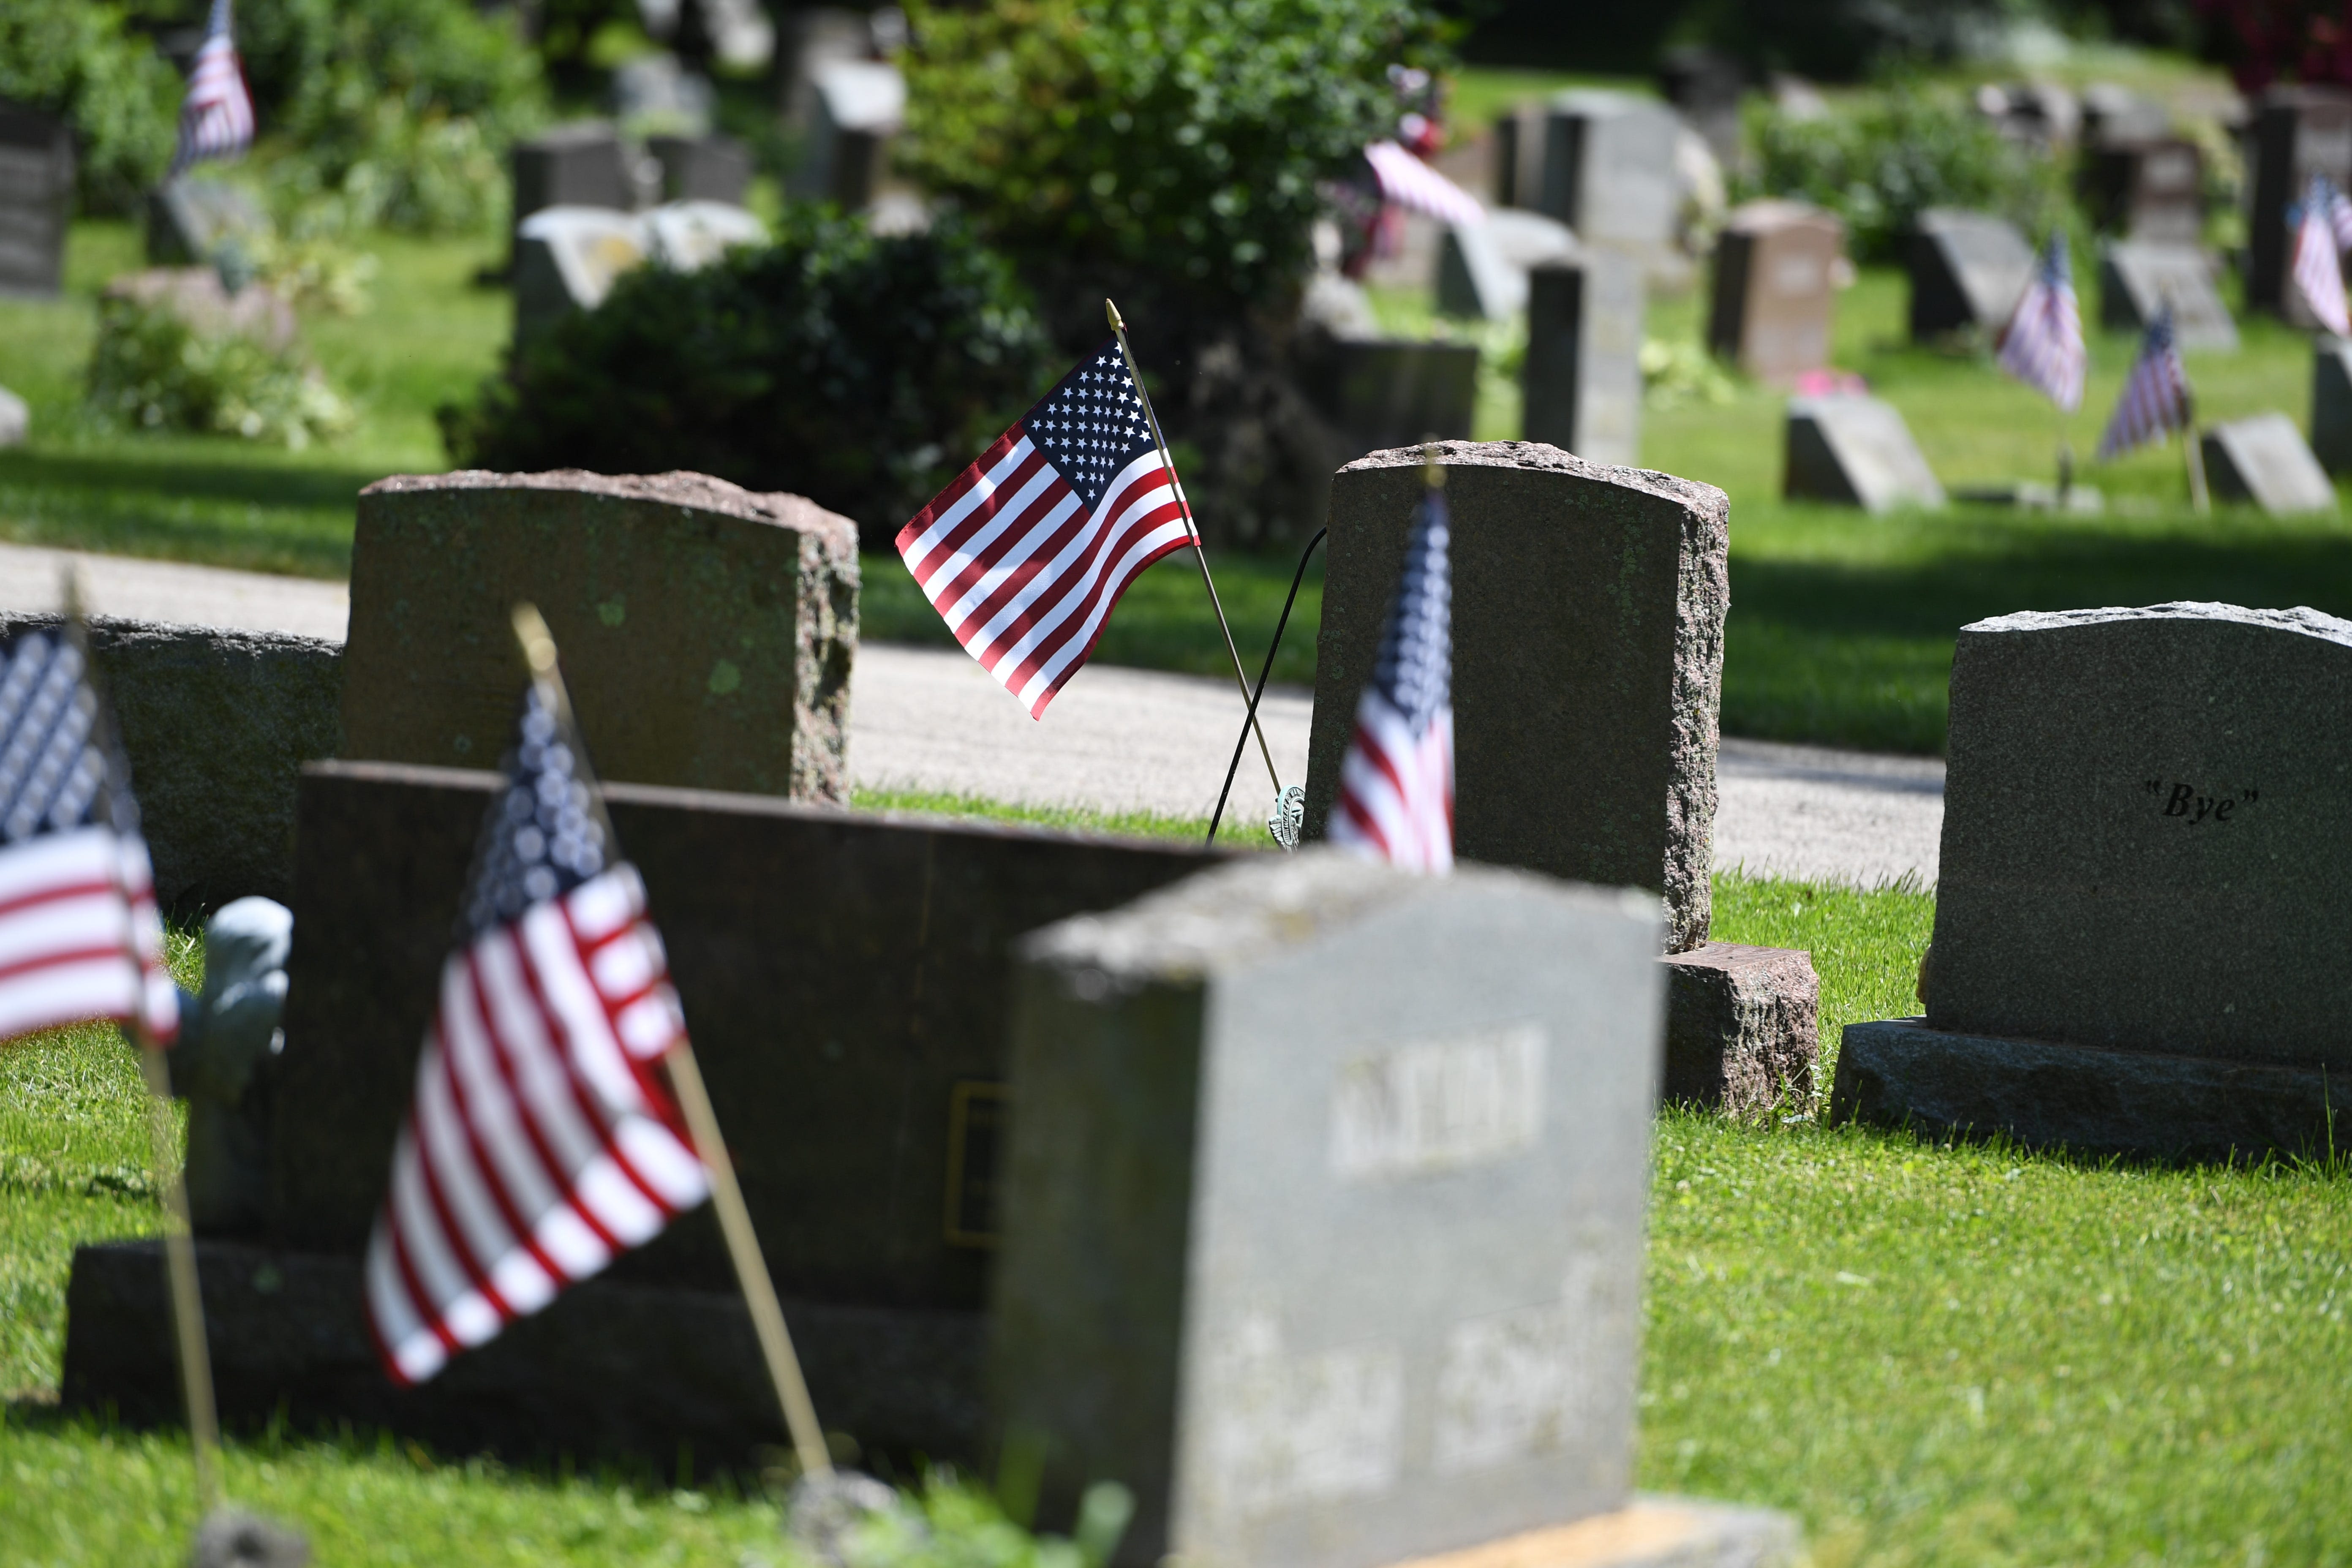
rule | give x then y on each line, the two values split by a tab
2138	280
844	978
2150	189
2297	131
1649	1532
1743	1026
1607	168
611	1369
216	724
1482	267
706	632
1969	269
1588	659
36	192
702	168
2331	402
1583	375
2264	458
2045	1094
579	164
2140	820
1776	265
1855	451
1323	1207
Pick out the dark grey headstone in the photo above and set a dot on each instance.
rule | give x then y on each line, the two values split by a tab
1705	85
16	418
37	193
1323	1208
702	168
1969	269
1583	375
2150	191
1588	658
2114	115
2331	402
2297	131
857	106
1776	279
1609	168
1384	392
1482	267
2264	458
578	164
1855	451
191	220
2138	280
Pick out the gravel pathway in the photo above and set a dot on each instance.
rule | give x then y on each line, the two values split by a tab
1116	738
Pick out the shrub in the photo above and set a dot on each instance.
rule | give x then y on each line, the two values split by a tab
73	59
860	371
155	368
1878	164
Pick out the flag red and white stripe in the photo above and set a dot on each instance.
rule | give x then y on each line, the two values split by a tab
2318	264
2155	398
1395	801
1026	552
217	116
539	1143
1412	185
2043	344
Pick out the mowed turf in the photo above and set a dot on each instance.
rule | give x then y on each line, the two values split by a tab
1931	1354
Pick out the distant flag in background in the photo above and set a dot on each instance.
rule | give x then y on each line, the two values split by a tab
2156	396
79	935
539	1142
2339	214
1412	185
2043	344
1026	552
2318	263
1396	783
217	116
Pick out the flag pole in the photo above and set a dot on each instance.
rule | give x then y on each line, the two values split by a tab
1185	507
702	1124
2199	496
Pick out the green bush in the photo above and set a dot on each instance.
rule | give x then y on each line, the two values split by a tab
1167	152
153	369
1878	163
75	59
863	372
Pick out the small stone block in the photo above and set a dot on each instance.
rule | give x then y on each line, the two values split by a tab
2088	1099
1969	269
1743	1026
1581	378
2138	280
231	1539
1856	451
1651	1533
2264	458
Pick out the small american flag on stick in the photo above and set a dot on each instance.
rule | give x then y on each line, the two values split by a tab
2154	397
2043	344
79	935
1026	552
2318	260
217	116
1396	783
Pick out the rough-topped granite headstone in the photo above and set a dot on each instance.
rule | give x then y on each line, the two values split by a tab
2298	131
2264	458
1323	1209
2137	881
36	189
708	631
1776	279
2331	402
1855	451
2136	280
1969	269
1581	378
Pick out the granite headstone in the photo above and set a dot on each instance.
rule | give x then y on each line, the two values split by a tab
577	164
2331	402
2136	280
708	631
2264	459
37	195
1855	451
1775	275
1581	378
2297	131
1609	168
2150	190
1482	267
856	107
702	168
1967	270
567	258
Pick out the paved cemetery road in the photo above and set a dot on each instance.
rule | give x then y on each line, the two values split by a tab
1116	738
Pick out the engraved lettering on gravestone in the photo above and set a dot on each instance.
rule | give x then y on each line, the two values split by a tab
1439	1105
1296	1430
1517	1384
977	1114
2187	801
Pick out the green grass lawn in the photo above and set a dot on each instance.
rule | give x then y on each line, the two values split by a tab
1931	1354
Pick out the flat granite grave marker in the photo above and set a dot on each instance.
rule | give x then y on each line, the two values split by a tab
708	631
1581	377
1856	451
846	979
1324	1212
1482	267
1968	271
1776	270
2138	876
2331	402
2297	131
2136	280
1588	655
37	190
2262	458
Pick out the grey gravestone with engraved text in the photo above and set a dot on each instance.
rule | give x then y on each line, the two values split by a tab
1968	271
1858	452
2264	458
1583	375
2331	402
2138	881
2138	280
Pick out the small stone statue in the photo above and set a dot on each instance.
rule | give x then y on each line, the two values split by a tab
225	1033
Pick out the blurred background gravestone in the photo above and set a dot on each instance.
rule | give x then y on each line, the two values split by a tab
856	108
1608	171
192	219
1855	451
2331	402
2297	131
1375	391
707	168
568	259
1777	269
578	164
2152	192
36	194
2264	458
1705	85
2138	280
1583	375
1968	269
1482	267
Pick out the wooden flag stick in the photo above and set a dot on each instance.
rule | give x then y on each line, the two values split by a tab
702	1124
2194	451
1185	508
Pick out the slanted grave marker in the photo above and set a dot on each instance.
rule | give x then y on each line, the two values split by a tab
1855	451
1969	269
2136	280
2264	458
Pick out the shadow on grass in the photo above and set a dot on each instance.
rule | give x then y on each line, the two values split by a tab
270	515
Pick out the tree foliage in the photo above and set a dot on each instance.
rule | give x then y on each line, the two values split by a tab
75	59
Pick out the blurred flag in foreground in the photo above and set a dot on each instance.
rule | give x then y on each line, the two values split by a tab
80	936
2156	396
2043	344
1396	783
2318	259
217	116
540	1142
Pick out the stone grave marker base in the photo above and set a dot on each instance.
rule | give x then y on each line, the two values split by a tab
1649	1532
2090	1099
1741	1023
611	1370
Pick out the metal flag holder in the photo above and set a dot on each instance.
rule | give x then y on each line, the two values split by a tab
1289	813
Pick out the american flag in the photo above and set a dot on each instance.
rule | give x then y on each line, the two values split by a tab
2043	344
80	936
2154	397
2318	264
1396	783
1414	185
217	117
539	1142
1027	552
2339	214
